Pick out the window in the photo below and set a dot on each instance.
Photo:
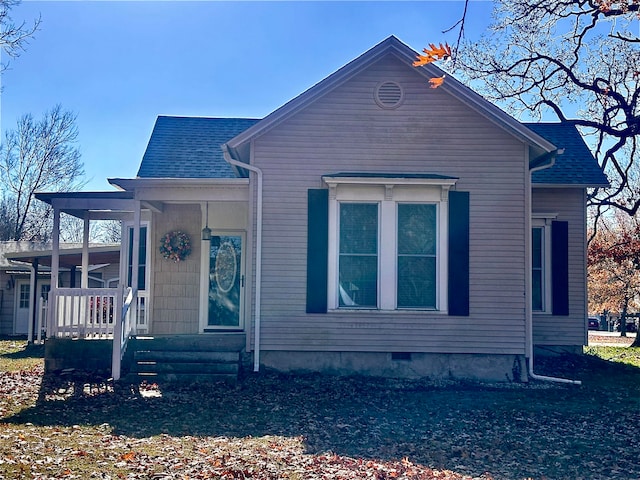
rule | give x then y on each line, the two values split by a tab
142	258
358	255
426	210
549	265
538	270
388	247
412	255
417	258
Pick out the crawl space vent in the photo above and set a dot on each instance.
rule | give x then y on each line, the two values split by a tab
389	95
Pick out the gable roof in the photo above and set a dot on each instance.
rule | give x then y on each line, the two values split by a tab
189	147
392	45
576	166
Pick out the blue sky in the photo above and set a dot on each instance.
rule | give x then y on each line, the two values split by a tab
119	64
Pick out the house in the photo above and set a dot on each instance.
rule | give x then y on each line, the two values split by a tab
370	225
25	268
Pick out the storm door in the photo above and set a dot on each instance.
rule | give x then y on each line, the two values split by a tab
226	282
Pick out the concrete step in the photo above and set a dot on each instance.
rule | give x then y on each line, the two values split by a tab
223	342
187	368
182	378
186	357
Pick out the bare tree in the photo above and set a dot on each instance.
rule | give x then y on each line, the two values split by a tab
36	156
14	36
579	61
100	231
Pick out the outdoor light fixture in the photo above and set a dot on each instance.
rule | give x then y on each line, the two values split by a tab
206	231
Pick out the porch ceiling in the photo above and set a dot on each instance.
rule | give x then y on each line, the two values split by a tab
70	257
97	205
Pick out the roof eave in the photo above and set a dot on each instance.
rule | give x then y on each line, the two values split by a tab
570	185
130	184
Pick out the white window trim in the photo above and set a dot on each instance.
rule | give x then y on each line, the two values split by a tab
388	193
543	221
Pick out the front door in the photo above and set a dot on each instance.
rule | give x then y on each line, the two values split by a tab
226	283
23	301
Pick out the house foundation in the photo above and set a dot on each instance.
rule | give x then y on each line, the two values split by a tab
482	367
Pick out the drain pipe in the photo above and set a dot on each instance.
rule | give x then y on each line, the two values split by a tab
529	259
231	161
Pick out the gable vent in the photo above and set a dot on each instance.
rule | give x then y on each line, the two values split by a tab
389	95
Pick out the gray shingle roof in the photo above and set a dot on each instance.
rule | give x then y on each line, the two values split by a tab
576	166
189	147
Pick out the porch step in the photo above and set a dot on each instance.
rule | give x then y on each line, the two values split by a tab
186	358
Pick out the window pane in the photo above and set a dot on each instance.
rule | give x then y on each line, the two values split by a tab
537	290
358	269
417	246
358	281
536	244
537	269
416	282
359	228
417	229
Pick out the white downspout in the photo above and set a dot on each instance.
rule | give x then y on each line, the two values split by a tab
258	172
529	288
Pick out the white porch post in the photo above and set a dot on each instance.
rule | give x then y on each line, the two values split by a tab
52	314
85	253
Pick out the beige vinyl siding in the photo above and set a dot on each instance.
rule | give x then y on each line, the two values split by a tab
430	133
569	205
175	292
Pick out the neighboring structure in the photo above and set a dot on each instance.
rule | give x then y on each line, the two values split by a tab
25	267
370	225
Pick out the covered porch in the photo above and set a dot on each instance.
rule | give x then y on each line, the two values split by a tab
156	296
108	313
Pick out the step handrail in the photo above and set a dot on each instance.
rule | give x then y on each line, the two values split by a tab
122	332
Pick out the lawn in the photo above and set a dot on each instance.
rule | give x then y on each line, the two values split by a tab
272	426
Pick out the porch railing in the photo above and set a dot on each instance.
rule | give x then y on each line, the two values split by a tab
88	313
97	313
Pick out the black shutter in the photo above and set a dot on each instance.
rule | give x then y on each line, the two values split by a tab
560	268
317	250
458	253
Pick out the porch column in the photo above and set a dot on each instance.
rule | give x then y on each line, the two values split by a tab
52	311
84	283
34	302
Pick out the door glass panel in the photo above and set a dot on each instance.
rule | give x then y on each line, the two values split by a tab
225	281
25	294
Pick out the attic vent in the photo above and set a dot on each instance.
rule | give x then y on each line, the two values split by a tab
389	95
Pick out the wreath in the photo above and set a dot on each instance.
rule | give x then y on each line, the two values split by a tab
175	246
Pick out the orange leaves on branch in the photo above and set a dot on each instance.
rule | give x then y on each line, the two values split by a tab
436	81
432	54
604	5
